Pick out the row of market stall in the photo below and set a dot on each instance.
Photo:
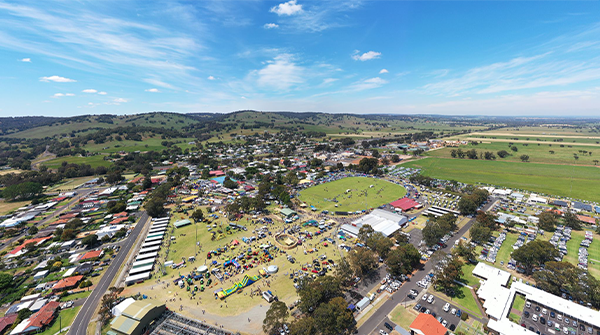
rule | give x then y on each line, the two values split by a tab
143	266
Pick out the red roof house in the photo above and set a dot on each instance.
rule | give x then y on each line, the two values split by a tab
38	320
216	173
405	204
426	324
66	283
92	254
7	321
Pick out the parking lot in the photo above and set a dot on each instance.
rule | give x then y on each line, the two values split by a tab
544	320
434	306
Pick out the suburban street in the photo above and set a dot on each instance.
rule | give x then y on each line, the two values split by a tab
80	194
86	314
375	320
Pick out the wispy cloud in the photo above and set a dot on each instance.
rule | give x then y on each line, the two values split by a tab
271	25
383	71
100	42
211	78
25	60
57	79
102	93
368	84
318	16
281	73
287	8
152	90
365	56
90	90
158	82
58	95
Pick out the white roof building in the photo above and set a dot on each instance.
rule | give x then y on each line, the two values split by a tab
381	221
118	309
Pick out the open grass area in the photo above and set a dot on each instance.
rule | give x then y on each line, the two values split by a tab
361	195
464	299
71	183
476	328
507	248
7	207
147	144
594	257
93	161
403	316
468	277
184	246
519	302
551	153
64	319
582	182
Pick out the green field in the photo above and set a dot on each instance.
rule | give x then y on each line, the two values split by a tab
93	161
361	195
580	182
148	144
537	154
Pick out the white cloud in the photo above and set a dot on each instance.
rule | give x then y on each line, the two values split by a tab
368	84
153	90
287	8
157	82
327	81
58	95
119	100
211	78
270	26
102	93
281	73
365	56
57	79
383	71
90	90
26	60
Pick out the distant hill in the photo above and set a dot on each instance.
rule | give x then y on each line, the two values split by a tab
42	127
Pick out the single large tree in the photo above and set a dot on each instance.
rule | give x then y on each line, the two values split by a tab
362	261
447	277
403	260
534	255
547	221
275	317
334	318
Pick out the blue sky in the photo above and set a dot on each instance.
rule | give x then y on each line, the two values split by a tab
473	57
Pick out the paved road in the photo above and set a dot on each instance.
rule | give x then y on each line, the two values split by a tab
399	296
80	194
86	314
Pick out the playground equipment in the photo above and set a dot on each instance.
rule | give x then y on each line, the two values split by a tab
247	280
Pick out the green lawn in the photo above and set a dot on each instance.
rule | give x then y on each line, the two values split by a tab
468	277
65	318
581	182
519	302
594	256
75	296
507	248
93	161
403	316
465	300
382	192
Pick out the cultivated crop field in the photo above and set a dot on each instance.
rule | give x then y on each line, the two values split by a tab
360	196
581	182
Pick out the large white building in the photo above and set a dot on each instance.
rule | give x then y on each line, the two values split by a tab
380	220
